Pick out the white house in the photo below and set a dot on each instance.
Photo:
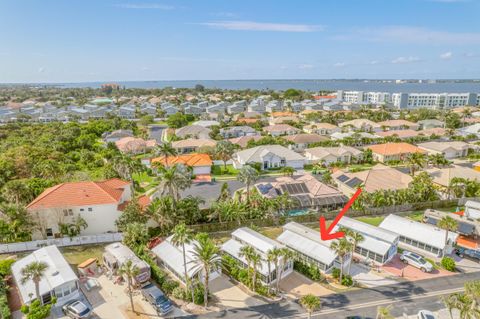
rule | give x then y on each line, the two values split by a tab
472	209
98	203
418	236
452	149
58	281
247	237
269	156
170	256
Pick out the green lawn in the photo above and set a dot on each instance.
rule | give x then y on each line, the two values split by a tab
374	221
219	170
416	215
78	254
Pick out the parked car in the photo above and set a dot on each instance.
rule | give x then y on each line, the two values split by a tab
77	310
157	298
416	261
425	314
470	253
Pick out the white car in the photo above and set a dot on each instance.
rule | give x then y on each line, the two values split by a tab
416	261
425	314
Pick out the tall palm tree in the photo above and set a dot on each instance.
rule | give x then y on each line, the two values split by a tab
224	151
130	271
34	271
286	255
288	171
472	289
450	302
310	303
384	312
206	258
162	211
247	175
415	160
173	180
166	150
274	255
355	238
182	235
256	261
342	248
248	252
448	224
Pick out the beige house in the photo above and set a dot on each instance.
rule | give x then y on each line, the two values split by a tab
361	125
328	155
398	125
302	141
450	150
98	203
321	128
192	145
281	129
393	151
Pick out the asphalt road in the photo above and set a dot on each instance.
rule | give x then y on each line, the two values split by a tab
405	298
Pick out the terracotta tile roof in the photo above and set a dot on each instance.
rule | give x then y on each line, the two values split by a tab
80	194
399	133
186	159
397	123
248	120
243	140
280	128
305	138
329	97
282	114
395	148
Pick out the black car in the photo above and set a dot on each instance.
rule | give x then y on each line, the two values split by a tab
157	298
470	253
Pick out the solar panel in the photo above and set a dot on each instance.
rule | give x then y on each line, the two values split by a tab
264	188
354	182
297	188
342	178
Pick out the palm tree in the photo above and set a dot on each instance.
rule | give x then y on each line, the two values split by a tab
166	150
256	261
162	211
286	255
472	289
181	236
415	160
342	248
310	303
288	171
438	160
355	238
228	210
448	224
274	255
224	151
130	271
450	302
173	180
34	271
206	258
247	175
247	252
384	312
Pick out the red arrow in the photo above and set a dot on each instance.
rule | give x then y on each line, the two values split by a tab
324	232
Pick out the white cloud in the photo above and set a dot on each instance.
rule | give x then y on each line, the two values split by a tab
408	59
41	69
339	64
446	56
411	34
305	66
145	6
261	26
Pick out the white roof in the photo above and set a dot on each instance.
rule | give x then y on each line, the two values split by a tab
307	241
376	239
122	254
256	154
424	233
258	241
58	272
206	123
173	256
232	247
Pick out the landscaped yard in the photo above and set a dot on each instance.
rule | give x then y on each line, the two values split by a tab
375	221
78	254
219	170
145	181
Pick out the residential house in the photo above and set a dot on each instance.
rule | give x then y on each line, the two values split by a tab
245	236
237	107
377	178
134	145
193	109
283	119
96	202
193	131
396	125
443	176
451	149
393	151
170	256
59	280
126	111
306	191
379	245
466	225
353	135
421	237
302	141
268	156
329	155
170	110
274	106
432	123
472	209
243	140
402	134
112	137
201	164
310	249
217	108
148	109
192	145
238	131
205	123
364	125
281	129
321	128
472	130
257	105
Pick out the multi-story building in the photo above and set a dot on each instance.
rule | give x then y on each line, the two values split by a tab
433	100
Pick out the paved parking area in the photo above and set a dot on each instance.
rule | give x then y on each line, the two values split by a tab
466	264
229	295
296	285
369	278
397	268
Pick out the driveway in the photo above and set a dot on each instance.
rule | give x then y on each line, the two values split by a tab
397	268
296	285
230	295
369	278
466	264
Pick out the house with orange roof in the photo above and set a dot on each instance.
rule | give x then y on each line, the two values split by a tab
98	203
393	151
200	163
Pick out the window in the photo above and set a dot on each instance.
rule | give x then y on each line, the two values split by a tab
90	209
65	212
82	209
70	212
49	232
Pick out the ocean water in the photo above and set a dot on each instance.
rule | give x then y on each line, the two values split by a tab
309	85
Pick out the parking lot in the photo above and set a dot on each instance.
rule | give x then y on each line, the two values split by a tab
397	268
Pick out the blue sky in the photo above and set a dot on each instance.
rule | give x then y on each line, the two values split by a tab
114	40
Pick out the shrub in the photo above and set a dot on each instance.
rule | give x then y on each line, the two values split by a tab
347	280
169	285
448	263
180	293
336	273
5	267
310	271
